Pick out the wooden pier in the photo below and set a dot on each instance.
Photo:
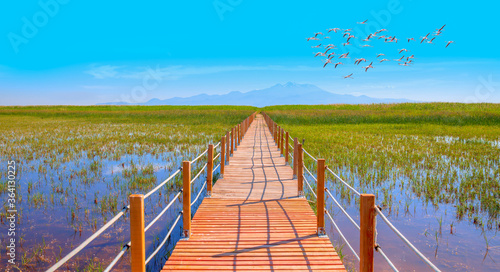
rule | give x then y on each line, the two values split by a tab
254	219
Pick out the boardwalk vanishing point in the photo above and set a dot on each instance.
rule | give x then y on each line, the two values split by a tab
254	219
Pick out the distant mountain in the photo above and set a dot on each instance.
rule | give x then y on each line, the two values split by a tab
286	94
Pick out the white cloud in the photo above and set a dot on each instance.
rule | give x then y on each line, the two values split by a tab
103	71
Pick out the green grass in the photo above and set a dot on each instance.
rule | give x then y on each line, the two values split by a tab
441	153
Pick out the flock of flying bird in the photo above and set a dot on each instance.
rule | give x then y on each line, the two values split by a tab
346	33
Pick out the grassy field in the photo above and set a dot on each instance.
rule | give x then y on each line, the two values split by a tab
78	165
442	156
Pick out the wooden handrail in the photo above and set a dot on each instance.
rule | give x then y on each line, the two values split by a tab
320	192
300	170
367	232
228	149
186	199
137	235
295	156
222	155
210	168
287	150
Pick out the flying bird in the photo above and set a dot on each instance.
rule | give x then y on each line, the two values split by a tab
316	46
402	50
338	63
326	62
318	33
312	39
448	43
358	61
368	67
348	76
380	55
382	60
362	23
333	29
344	56
400	58
411	39
319	54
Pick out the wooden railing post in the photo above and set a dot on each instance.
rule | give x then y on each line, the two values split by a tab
232	140
210	168
320	204
222	155
287	147
186	199
367	232
239	134
275	132
137	236
300	170
295	156
228	154
282	142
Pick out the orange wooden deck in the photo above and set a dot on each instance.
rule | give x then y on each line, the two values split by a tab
254	220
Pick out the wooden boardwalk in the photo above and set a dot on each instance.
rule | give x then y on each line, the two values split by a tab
254	220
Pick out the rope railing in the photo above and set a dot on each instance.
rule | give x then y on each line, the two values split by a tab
408	243
165	239
377	247
201	155
342	235
88	240
341	180
239	129
199	173
162	212
118	257
199	194
342	209
163	183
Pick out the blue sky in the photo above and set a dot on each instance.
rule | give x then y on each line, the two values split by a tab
88	52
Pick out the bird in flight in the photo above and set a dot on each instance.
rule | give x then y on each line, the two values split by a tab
411	39
312	39
402	50
448	43
380	55
319	54
338	63
316	46
400	58
362	23
326	62
348	76
358	61
382	60
368	67
424	38
344	56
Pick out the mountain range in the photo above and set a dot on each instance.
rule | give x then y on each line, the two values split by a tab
279	94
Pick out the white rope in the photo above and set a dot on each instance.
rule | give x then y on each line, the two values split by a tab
118	257
163	183
216	157
291	146
86	242
345	183
410	245
307	170
199	193
309	155
164	240
310	188
199	173
342	209
379	250
217	145
162	212
216	168
201	155
342	235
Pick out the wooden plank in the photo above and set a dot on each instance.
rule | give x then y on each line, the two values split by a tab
255	220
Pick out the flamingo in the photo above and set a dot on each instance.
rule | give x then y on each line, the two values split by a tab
330	46
316	46
368	67
348	76
367	38
312	39
348	39
410	57
319	54
448	43
399	58
402	50
338	63
347	33
347	43
333	29
327	37
331	55
441	28
404	64
380	55
430	41
317	33
358	61
362	23
347	30
424	38
366	45
326	62
382	60
344	56
411	39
